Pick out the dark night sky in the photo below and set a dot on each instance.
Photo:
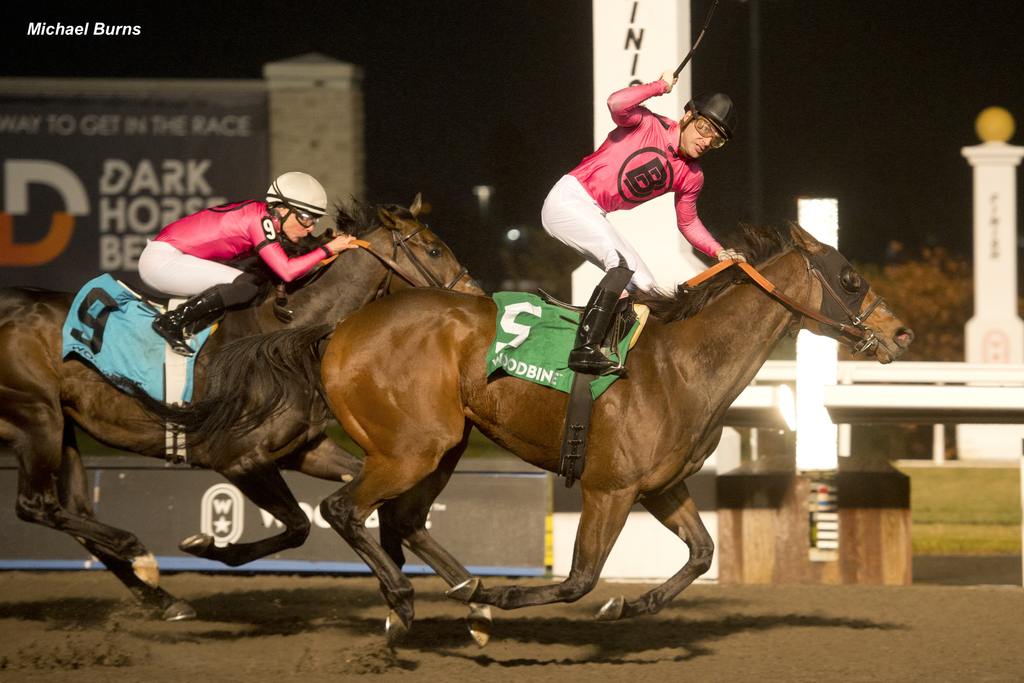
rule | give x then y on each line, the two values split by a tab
866	101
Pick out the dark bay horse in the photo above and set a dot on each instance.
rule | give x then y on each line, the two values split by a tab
405	376
43	398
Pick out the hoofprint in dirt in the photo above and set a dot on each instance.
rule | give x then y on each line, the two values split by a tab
78	626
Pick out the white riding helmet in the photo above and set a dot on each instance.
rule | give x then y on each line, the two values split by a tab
300	191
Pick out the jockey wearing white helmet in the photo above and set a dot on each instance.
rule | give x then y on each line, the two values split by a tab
189	257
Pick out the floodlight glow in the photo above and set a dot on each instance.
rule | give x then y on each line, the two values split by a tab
513	234
785	401
816	360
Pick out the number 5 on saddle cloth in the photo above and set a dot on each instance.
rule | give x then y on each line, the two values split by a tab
532	341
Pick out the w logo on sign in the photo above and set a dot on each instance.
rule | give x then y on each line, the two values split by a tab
223	515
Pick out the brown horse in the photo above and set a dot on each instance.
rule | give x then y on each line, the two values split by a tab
43	398
405	376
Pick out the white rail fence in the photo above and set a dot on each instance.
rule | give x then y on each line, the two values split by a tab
907	392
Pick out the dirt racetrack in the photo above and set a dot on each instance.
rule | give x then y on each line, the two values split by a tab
80	626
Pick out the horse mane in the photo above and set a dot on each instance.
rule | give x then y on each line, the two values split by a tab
757	243
354	217
359	218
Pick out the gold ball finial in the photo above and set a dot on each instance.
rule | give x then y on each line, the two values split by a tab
994	124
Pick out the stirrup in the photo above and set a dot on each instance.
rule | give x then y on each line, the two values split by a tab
589	360
177	344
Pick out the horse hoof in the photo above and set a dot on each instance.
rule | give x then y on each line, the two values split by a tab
464	591
146	569
611	610
479	623
394	628
196	545
179	611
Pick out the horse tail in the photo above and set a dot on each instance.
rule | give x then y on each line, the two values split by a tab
247	382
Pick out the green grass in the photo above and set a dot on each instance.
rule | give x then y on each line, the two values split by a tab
965	510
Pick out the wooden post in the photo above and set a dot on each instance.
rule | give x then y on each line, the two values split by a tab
764	529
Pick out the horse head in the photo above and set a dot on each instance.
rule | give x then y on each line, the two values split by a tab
422	253
849	310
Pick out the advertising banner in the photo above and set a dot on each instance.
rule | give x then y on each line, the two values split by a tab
492	521
86	179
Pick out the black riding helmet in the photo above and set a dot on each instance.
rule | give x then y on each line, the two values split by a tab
716	108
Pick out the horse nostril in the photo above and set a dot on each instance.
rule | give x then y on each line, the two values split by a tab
903	337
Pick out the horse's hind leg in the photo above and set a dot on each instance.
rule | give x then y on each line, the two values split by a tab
403	521
383	478
603	516
39	444
74	497
676	510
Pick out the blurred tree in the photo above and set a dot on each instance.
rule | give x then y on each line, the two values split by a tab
933	294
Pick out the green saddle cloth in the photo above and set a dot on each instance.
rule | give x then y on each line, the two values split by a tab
533	339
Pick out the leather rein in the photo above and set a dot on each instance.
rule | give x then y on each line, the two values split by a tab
862	337
401	243
428	278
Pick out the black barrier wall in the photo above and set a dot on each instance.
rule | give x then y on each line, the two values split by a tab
491	516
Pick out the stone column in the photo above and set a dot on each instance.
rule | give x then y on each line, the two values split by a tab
995	334
316	122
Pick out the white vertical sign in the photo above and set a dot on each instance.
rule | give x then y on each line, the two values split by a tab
634	42
817	362
995	333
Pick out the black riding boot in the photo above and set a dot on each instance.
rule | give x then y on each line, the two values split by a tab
187	318
586	357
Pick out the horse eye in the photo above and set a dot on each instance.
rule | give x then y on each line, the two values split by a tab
851	280
434	252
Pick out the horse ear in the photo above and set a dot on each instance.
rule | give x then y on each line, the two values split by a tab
417	204
386	218
803	239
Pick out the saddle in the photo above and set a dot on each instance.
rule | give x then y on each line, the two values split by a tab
576	427
627	312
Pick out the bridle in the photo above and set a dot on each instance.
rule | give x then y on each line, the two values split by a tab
859	336
864	334
399	242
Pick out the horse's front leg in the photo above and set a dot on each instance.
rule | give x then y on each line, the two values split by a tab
602	518
676	510
265	487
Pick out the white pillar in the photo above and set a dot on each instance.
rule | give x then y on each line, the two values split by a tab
634	42
995	334
817	363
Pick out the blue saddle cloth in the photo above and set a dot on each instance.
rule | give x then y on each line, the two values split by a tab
110	328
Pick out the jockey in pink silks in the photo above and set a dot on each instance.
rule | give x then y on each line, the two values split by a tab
188	257
645	156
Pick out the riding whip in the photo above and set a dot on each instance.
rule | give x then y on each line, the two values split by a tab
700	36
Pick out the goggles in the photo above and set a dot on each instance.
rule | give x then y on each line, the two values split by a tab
708	130
306	219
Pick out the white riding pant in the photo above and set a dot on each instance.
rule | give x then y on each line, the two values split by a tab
164	267
572	217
